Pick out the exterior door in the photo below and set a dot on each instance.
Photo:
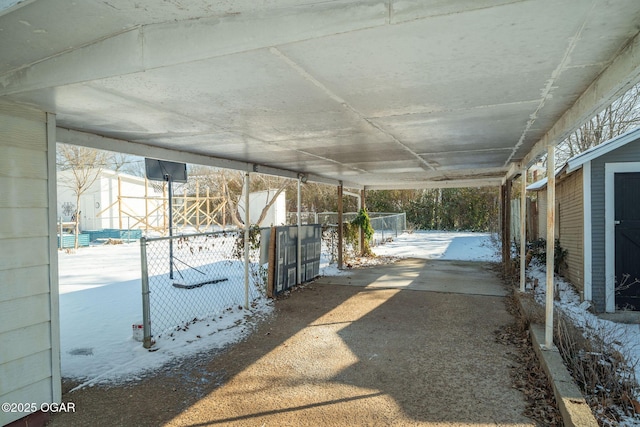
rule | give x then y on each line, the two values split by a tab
627	240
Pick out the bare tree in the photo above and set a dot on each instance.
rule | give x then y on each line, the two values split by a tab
228	185
619	117
85	165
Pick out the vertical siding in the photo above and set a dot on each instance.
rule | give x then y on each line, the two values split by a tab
26	349
627	153
571	225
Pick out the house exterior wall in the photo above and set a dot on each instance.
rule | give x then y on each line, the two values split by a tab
99	206
626	153
29	323
569	196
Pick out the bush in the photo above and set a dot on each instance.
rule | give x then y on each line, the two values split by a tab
538	250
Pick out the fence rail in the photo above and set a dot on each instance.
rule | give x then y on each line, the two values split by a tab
204	277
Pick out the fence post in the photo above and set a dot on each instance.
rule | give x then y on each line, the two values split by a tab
247	226
146	311
299	231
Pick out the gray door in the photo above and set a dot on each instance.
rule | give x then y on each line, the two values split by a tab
627	235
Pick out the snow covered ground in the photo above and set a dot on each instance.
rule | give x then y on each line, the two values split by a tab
446	245
100	300
624	337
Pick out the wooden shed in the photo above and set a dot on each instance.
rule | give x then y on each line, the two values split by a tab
598	222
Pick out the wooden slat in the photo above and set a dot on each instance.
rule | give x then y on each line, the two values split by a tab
28	222
23	192
23	312
25	371
22	342
27	252
23	282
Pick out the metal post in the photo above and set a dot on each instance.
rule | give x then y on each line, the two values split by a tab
551	214
119	203
146	311
523	229
247	225
340	243
170	186
299	257
363	205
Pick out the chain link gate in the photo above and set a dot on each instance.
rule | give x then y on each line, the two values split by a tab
193	276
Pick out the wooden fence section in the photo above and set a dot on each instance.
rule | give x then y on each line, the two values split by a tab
200	211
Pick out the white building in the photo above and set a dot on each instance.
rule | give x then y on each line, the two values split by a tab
113	201
258	200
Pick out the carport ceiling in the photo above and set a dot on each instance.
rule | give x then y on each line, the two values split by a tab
393	94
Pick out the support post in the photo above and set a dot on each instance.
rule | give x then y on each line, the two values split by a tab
164	208
299	251
363	205
247	226
506	227
146	310
146	205
119	203
551	216
340	237
170	186
523	229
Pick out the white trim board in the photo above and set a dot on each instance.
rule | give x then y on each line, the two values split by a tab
610	169
586	238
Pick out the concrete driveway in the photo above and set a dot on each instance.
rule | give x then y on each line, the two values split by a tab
404	344
409	344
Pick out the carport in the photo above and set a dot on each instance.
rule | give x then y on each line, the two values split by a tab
361	94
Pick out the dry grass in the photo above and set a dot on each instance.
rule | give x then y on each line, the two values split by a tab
528	376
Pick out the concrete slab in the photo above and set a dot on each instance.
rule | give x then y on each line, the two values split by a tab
459	277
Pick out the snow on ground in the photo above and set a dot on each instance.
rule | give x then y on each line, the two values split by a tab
100	300
462	246
624	337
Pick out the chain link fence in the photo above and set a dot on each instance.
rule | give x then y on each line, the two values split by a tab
193	276
385	225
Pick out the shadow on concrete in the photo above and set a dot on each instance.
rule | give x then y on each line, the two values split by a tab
380	348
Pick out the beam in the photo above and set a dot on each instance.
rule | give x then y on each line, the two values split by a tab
454	183
154	46
68	136
617	78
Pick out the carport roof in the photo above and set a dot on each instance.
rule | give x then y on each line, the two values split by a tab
376	94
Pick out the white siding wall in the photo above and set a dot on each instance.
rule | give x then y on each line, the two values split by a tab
29	326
